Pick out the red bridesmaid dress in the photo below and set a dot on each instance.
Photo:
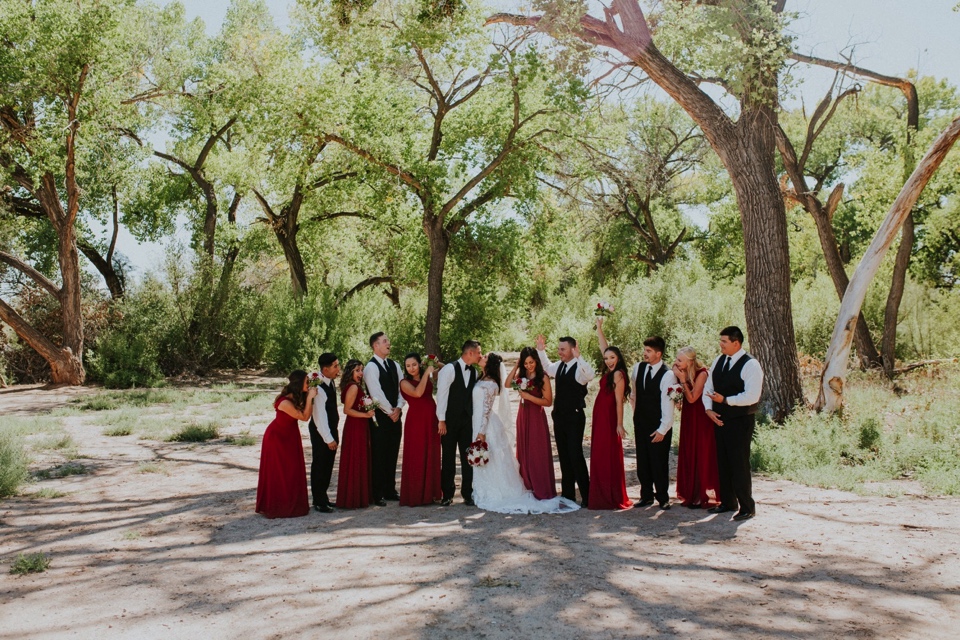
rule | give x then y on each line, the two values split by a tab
608	480
282	486
354	479
420	473
698	481
533	449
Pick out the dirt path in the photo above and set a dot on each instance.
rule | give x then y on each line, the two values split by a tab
179	553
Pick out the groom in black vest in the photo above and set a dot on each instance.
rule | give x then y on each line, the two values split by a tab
731	397
324	435
455	412
571	373
653	422
382	377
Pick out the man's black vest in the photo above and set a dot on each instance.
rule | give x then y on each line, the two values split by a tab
571	395
460	398
730	384
389	381
649	412
330	406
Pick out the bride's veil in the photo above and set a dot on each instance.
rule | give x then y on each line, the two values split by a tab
503	410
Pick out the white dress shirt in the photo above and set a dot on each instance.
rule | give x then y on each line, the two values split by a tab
584	370
371	376
444	379
666	404
752	376
320	412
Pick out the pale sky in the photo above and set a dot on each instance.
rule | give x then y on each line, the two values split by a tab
889	36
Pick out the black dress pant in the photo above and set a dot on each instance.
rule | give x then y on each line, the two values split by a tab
321	466
385	435
568	427
653	463
458	436
733	462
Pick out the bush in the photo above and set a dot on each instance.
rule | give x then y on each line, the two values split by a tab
195	432
13	464
30	563
122	430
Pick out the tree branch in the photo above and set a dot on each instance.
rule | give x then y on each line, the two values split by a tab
27	270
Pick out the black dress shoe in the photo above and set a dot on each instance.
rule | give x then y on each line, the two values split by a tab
720	508
323	508
645	503
691	505
469	502
743	515
446	502
380	502
392	496
665	506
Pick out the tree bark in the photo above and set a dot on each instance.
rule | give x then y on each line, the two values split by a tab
891	312
438	237
111	276
830	397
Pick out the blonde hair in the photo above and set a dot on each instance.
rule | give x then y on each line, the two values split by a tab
691	354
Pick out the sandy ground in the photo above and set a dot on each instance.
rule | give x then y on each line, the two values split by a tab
181	554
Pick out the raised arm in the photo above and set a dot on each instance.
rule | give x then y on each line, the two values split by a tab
511	376
602	338
290	409
417	391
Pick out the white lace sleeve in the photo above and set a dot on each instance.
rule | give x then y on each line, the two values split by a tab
482	419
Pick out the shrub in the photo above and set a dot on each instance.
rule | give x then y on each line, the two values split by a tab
195	432
13	464
121	430
30	563
245	439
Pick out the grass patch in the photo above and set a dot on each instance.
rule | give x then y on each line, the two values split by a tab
30	563
152	467
119	430
196	432
62	471
31	425
46	493
55	442
13	464
131	535
245	439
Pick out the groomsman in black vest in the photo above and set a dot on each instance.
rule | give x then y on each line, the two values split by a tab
324	435
455	412
731	397
653	422
572	373
382	377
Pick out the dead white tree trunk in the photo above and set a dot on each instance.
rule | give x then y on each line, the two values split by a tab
830	397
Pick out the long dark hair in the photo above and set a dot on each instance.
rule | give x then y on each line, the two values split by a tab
530	352
348	370
621	367
492	370
415	356
294	389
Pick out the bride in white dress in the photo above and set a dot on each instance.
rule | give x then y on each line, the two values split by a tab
497	486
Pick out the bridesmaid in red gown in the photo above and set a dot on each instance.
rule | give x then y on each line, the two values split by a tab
354	479
608	482
698	481
420	474
282	485
533	435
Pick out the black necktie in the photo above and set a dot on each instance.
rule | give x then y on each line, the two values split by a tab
726	364
563	369
333	390
646	382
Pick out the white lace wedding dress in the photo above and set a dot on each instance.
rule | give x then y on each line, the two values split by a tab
497	486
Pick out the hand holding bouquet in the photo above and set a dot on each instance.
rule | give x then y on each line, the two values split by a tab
478	455
603	309
675	394
432	361
313	378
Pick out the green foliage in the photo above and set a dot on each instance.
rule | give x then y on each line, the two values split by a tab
120	430
245	439
30	563
62	471
196	432
13	463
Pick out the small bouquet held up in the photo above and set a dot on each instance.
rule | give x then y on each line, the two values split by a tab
521	384
313	378
675	394
478	455
431	361
603	309
368	402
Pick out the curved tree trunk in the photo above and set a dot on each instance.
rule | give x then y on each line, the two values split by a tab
891	313
439	240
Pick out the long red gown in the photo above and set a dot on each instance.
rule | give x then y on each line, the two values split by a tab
354	480
608	481
420	474
282	485
533	449
697	479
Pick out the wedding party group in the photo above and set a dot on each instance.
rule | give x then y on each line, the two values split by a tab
462	410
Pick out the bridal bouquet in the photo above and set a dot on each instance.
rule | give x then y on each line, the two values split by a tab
675	394
313	378
603	309
478	455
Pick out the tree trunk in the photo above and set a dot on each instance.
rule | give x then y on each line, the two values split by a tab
767	304
439	240
891	313
830	397
110	275
291	252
